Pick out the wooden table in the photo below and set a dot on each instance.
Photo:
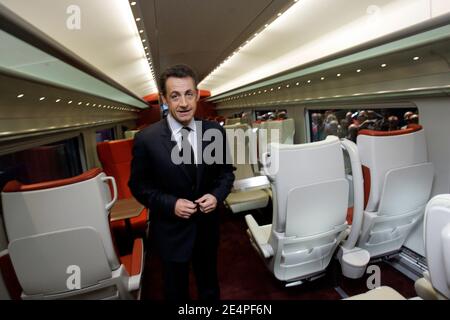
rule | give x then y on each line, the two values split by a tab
125	209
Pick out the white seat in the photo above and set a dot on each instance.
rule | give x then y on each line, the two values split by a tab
380	293
397	182
55	226
232	121
310	198
286	130
435	285
237	200
129	134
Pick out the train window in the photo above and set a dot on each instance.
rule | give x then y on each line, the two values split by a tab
345	123
270	114
50	162
105	135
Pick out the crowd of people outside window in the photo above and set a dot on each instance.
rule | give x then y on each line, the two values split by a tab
347	124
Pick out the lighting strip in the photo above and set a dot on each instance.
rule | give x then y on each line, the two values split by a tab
247	42
144	42
322	77
29	98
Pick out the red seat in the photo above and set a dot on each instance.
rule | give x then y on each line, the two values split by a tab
115	157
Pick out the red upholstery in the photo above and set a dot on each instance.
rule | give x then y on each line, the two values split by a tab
350	216
9	277
132	262
115	157
366	177
374	133
16	186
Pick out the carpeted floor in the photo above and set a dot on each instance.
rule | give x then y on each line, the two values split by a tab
244	276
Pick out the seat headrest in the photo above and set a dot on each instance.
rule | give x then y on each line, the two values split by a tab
375	133
116	151
16	186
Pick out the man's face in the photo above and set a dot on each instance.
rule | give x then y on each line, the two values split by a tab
181	97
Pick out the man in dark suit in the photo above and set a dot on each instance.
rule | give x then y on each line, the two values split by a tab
182	198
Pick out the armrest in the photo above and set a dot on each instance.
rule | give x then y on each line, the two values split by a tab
260	240
254	183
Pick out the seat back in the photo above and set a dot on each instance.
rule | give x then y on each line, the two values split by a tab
310	200
286	131
313	173
82	201
115	157
237	136
437	242
48	263
397	181
129	134
383	152
232	121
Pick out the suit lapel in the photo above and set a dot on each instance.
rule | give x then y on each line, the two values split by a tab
169	144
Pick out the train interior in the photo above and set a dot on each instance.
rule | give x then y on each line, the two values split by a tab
347	196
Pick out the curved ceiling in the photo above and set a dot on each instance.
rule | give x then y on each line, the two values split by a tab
107	37
204	33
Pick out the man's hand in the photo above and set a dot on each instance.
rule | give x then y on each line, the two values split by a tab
207	203
185	208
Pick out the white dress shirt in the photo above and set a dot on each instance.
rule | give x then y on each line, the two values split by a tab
176	127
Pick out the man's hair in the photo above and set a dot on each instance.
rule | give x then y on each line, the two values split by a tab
177	71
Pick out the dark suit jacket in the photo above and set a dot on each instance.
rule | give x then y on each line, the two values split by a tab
158	183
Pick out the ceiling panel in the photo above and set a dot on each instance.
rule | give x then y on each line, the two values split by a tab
201	33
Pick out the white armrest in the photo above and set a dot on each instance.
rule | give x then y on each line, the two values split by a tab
254	183
257	235
445	238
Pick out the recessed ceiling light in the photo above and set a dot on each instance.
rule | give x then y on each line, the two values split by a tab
41	98
359	70
80	103
323	78
144	40
20	95
133	3
416	58
138	19
141	31
297	84
58	100
384	65
309	81
338	75
279	14
70	102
